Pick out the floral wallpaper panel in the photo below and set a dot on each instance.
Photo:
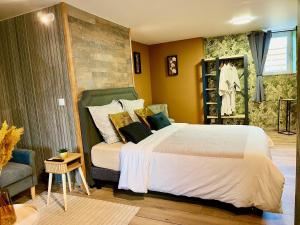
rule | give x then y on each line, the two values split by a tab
276	86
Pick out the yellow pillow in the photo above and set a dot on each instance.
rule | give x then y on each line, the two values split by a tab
119	120
142	115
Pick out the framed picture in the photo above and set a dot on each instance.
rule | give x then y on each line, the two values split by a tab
172	62
137	62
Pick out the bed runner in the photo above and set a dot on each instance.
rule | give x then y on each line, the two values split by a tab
208	141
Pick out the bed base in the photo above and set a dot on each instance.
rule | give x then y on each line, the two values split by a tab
110	178
104	174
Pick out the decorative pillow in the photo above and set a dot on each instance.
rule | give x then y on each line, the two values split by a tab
120	120
135	132
158	121
142	115
102	121
131	105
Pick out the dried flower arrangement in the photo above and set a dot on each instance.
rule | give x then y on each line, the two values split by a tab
9	137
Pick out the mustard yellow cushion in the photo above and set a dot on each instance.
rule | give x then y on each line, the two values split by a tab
142	115
119	120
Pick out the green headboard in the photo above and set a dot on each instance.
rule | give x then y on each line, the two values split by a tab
90	134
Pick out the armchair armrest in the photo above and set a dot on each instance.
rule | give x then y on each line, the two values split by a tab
25	156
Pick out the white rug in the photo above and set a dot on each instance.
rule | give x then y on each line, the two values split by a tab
81	211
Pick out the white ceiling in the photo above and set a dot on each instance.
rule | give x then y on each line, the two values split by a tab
157	21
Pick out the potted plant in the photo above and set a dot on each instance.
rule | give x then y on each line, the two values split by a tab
9	137
63	153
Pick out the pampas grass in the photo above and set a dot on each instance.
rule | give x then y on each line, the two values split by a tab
9	137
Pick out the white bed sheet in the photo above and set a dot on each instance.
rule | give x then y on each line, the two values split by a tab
244	182
107	155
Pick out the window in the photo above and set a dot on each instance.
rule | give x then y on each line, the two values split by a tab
281	58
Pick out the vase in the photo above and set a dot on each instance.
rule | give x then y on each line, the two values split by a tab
7	212
63	155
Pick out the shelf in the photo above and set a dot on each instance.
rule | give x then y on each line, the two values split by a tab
209	59
225	58
210	79
238	116
74	166
212	117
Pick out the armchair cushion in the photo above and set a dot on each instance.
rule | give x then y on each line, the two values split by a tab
23	156
14	172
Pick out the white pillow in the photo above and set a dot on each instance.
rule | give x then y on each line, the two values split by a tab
131	105
102	121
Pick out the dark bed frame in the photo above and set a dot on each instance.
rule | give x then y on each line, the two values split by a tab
91	135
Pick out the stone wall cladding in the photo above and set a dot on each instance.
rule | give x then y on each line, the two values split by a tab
101	54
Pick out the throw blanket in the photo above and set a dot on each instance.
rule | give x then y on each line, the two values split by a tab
231	164
209	141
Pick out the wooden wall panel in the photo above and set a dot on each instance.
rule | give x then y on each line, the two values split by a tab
33	76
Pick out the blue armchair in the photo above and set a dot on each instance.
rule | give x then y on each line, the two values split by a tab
20	173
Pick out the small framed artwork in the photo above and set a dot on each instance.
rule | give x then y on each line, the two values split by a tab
172	62
137	62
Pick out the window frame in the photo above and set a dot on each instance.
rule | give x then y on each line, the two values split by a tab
291	57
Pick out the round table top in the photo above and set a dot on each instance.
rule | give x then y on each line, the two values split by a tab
26	214
288	99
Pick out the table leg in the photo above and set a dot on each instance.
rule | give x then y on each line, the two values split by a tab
69	181
84	181
64	190
49	188
278	119
32	191
289	116
286	116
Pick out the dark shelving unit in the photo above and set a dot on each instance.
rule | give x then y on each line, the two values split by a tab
210	79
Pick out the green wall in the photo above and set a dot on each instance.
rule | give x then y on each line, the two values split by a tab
261	114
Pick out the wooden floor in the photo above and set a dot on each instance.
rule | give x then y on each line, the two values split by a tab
159	209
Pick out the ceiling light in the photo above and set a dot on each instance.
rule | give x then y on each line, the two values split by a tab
242	20
46	18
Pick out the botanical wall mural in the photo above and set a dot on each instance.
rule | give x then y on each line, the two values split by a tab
276	86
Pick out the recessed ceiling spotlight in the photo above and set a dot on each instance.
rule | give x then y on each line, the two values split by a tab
242	20
46	18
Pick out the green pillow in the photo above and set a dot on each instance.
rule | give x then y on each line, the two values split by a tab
158	121
135	132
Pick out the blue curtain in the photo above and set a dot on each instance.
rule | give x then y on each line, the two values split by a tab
259	44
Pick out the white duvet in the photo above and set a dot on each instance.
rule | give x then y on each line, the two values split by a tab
231	164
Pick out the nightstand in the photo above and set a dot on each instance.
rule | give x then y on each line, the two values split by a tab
71	163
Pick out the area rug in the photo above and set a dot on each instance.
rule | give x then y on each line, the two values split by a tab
81	210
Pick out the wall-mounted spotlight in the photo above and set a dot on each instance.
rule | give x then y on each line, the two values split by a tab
46	18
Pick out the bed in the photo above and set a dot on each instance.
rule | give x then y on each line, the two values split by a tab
233	163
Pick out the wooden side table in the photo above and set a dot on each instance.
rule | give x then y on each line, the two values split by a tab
72	162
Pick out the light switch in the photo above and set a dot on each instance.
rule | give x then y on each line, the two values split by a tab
61	102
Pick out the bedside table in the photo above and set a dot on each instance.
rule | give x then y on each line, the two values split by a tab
71	163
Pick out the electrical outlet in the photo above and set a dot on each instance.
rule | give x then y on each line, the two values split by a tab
61	102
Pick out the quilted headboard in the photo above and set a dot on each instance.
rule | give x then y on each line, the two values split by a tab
90	134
